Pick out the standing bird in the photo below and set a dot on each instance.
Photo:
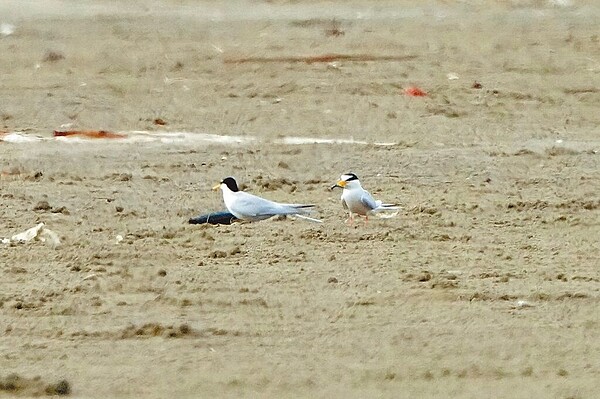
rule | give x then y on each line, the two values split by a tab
357	200
246	206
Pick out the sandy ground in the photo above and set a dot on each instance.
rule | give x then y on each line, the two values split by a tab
487	284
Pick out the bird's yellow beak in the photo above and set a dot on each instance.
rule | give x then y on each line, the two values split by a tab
218	186
341	183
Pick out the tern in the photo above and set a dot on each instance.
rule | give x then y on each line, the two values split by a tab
357	200
249	207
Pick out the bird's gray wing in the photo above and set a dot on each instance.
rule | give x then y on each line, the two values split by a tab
251	205
376	205
368	201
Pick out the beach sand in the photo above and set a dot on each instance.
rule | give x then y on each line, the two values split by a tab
486	284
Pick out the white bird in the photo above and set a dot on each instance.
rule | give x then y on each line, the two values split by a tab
357	200
246	206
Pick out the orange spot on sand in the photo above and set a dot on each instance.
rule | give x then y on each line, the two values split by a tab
90	134
414	91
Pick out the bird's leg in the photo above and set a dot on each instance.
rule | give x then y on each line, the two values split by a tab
366	220
350	220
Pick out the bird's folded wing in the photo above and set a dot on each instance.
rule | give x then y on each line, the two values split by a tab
368	201
252	205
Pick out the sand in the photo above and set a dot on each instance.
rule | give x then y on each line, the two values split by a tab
486	284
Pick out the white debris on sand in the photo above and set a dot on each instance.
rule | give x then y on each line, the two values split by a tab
37	233
6	29
139	136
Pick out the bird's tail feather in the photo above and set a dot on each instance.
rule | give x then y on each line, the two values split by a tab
301	206
294	209
308	218
387	207
301	210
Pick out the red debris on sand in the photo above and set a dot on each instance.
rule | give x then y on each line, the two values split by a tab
320	58
90	134
414	91
160	121
476	85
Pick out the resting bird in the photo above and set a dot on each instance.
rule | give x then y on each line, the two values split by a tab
246	206
357	200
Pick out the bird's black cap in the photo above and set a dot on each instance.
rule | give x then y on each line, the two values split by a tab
350	176
231	184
